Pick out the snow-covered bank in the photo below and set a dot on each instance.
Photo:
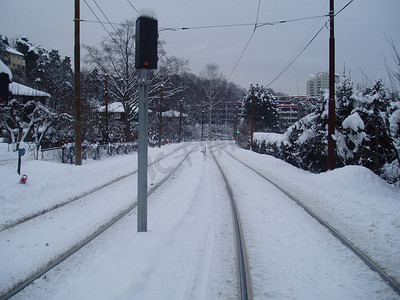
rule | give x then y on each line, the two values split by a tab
188	252
356	202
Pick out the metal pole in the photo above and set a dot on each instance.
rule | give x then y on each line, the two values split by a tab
160	128
331	120
252	118
144	75
77	89
106	96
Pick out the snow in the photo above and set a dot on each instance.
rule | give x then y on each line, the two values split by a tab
18	89
13	51
269	136
147	12
116	107
353	122
173	114
188	251
6	70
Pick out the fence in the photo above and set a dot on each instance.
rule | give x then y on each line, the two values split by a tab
66	154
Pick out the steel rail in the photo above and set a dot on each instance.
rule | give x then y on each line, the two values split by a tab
244	275
360	254
24	283
79	196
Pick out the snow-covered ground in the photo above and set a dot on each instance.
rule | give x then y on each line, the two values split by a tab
188	251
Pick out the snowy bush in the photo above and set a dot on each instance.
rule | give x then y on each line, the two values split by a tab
367	133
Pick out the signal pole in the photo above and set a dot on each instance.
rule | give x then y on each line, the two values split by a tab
145	59
77	89
331	117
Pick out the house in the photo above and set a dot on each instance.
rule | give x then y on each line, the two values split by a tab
14	59
25	93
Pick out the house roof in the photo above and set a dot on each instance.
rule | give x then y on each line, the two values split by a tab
6	70
13	51
173	114
18	89
115	107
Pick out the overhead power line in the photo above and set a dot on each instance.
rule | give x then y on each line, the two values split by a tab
308	44
248	42
257	25
132	5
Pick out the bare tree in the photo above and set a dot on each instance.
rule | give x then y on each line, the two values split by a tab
214	86
116	57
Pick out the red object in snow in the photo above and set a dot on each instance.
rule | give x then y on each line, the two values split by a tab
24	178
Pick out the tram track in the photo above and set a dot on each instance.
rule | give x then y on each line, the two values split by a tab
6	293
243	265
81	195
360	254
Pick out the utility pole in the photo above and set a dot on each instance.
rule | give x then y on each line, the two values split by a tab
202	125
331	117
161	109
106	96
252	118
235	125
180	121
77	89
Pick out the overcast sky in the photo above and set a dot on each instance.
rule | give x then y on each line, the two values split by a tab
360	29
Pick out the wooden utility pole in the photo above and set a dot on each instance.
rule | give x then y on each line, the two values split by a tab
161	111
202	125
77	89
252	118
106	98
180	121
331	117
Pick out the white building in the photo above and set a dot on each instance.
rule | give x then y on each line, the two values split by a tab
318	83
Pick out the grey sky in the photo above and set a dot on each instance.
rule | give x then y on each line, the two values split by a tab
360	32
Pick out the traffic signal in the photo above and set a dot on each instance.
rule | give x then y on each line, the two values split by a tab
4	81
146	43
237	131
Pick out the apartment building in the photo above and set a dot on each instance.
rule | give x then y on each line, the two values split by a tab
318	83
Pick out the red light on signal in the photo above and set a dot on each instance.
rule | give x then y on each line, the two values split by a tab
146	63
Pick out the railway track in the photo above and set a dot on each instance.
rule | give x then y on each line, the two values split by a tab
26	218
21	283
360	254
243	265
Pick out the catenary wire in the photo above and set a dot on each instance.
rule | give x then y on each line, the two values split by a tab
132	5
248	42
308	44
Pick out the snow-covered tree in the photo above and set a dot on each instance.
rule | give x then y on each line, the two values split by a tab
116	57
265	110
29	121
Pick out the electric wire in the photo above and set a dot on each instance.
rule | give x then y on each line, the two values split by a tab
248	42
97	18
95	2
241	55
258	13
243	24
132	5
308	44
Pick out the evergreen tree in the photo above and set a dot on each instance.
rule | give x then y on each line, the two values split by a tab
265	110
